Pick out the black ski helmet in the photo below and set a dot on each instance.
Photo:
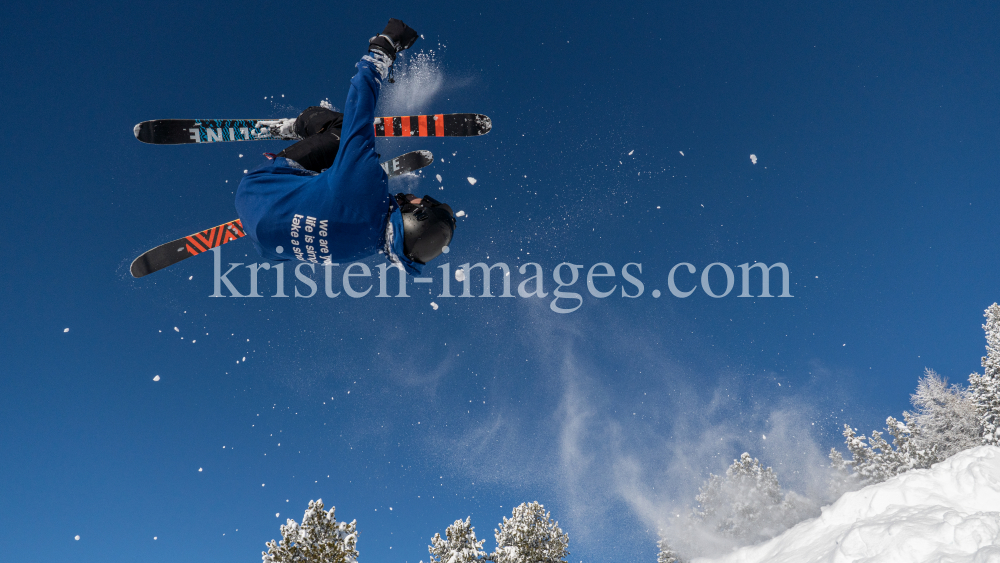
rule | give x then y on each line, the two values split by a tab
427	228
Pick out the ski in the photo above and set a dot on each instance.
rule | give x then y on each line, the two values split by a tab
192	245
406	163
440	125
192	131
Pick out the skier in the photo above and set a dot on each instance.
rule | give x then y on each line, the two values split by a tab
312	204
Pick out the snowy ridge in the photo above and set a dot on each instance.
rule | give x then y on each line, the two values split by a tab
948	513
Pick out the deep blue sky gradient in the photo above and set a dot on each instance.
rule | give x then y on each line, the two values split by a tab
876	130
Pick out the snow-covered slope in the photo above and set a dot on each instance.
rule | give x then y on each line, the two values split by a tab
948	513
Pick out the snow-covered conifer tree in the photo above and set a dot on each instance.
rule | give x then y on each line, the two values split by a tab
530	536
879	460
944	421
747	503
667	554
985	388
841	480
319	539
909	455
460	547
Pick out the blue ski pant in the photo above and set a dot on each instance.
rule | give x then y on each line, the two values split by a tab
348	203
356	168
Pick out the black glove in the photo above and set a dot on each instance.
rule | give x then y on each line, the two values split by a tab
396	37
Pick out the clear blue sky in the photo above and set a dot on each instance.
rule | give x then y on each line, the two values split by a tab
876	131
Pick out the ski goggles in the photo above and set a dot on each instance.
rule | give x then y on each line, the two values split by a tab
426	202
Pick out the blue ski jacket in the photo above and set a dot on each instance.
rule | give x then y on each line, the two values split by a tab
344	213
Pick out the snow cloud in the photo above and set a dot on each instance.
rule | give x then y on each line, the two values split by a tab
631	435
419	78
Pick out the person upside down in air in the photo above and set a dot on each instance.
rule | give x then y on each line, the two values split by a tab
325	199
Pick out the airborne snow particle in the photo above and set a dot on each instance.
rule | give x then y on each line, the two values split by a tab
682	153
241	156
753	158
438	176
190	278
460	274
154	537
459	214
245	171
276	514
176	329
77	538
434	306
65	330
471	180
199	470
630	152
156	378
763	436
